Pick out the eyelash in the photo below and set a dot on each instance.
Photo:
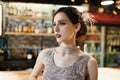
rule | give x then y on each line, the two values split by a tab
61	23
54	25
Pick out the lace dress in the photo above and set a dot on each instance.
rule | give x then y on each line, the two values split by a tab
73	72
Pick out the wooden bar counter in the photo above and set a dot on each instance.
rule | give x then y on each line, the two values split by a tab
103	74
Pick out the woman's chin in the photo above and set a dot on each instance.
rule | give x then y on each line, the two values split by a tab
59	41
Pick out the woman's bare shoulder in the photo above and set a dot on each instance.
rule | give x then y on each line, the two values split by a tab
92	68
92	64
92	60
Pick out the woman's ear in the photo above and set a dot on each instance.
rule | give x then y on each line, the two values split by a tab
77	27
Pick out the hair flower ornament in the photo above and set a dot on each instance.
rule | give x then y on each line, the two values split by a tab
88	18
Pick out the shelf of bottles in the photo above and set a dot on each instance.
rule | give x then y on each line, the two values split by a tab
92	43
30	19
29	10
113	47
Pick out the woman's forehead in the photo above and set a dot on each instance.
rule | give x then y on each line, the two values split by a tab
61	16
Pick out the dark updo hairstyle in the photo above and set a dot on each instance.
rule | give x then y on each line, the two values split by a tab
75	17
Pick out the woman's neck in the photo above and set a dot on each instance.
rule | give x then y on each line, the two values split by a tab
68	49
68	45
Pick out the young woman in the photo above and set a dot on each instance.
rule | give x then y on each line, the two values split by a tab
67	61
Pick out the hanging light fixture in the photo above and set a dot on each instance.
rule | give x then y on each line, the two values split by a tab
107	2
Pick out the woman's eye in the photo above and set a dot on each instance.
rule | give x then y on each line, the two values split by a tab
54	25
62	23
59	24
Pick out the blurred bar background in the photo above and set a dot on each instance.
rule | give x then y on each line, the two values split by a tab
26	29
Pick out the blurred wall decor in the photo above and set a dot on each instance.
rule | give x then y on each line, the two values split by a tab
1	19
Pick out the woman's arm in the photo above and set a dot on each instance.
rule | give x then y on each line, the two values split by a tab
92	69
39	65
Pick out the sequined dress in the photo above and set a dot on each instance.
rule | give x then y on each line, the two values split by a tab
73	72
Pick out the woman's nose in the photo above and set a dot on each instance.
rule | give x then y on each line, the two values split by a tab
56	29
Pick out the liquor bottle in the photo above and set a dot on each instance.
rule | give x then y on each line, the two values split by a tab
10	9
15	10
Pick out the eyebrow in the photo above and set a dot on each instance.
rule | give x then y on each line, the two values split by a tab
62	20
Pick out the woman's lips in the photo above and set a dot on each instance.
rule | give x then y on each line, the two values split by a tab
57	36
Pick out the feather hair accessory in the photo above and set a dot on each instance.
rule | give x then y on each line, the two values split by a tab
88	18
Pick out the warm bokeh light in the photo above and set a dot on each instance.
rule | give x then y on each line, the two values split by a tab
107	2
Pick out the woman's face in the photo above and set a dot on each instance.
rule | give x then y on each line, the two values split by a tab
63	28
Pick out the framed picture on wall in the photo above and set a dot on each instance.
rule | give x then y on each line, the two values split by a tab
1	19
